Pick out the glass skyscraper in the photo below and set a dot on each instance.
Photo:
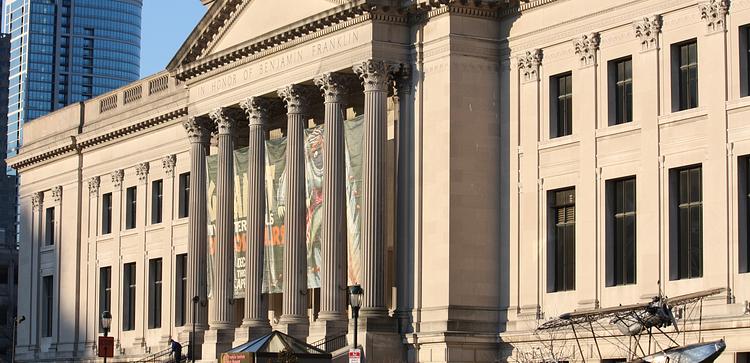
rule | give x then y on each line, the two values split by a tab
66	51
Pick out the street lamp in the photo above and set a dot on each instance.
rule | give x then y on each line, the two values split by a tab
16	321
106	322
196	299
355	301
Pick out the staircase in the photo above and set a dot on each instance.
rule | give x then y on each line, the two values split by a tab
163	356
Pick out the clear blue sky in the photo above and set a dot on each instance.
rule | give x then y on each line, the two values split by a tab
166	24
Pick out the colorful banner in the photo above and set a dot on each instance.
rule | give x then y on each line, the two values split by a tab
275	184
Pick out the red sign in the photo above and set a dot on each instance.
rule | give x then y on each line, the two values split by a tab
355	356
106	347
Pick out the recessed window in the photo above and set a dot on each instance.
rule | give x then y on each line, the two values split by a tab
107	213
621	232
128	296
48	289
105	291
181	290
157	188
49	226
561	247
745	60
621	90
154	293
131	195
686	223
184	195
743	357
685	70
562	105
744	213
4	274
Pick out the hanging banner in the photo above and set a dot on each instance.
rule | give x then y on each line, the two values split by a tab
314	191
211	166
273	271
240	220
353	137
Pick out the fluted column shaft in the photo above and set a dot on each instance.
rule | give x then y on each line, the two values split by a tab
222	284
376	77
294	307
199	135
333	272
256	314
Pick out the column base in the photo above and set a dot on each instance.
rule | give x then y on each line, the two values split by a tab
215	342
184	337
296	326
325	330
378	338
251	330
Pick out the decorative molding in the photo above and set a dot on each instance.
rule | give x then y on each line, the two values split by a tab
376	75
714	14
94	183
117	178
586	47
529	63
36	200
142	171
295	98
57	193
168	163
133	128
647	31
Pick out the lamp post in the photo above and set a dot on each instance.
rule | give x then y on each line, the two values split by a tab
17	320
355	301
196	299
106	320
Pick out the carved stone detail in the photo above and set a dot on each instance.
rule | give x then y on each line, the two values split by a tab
57	193
36	200
403	80
714	13
142	171
198	129
168	163
333	85
376	75
647	30
528	65
257	110
295	97
586	47
117	177
94	185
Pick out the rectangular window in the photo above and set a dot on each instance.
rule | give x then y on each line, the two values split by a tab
562	105
686	249
561	248
744	213
49	226
745	60
48	289
154	293
181	298
743	357
687	74
4	274
621	241
107	213
128	296
157	187
3	314
130	207
105	291
621	76
184	195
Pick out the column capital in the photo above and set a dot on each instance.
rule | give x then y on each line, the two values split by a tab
257	110
647	30
117	177
529	64
403	80
57	193
168	163
333	85
198	129
586	47
224	121
376	75
36	200
714	14
295	97
94	185
142	171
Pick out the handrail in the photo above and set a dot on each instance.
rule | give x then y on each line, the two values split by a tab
157	355
331	344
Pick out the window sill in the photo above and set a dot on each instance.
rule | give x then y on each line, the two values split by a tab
683	115
129	232
181	221
155	227
558	142
47	248
618	129
742	102
104	237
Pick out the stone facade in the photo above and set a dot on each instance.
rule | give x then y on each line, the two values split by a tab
460	161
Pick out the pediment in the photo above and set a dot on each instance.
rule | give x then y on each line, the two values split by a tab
228	23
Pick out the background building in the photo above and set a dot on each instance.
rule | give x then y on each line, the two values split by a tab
520	160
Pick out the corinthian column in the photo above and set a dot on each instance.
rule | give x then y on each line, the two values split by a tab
294	319
255	322
376	77
199	135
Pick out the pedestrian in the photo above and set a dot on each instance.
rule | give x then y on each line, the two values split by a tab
176	350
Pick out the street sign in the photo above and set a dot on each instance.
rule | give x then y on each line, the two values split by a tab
355	356
106	347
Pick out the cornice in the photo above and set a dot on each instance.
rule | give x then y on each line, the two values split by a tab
22	161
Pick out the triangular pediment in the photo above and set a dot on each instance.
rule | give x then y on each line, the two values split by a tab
228	23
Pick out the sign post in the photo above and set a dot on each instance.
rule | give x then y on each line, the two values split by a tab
355	356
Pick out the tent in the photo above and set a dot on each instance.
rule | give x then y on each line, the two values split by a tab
270	347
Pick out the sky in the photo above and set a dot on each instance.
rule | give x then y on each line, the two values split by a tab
165	26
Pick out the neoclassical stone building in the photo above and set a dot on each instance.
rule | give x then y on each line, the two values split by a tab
518	160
